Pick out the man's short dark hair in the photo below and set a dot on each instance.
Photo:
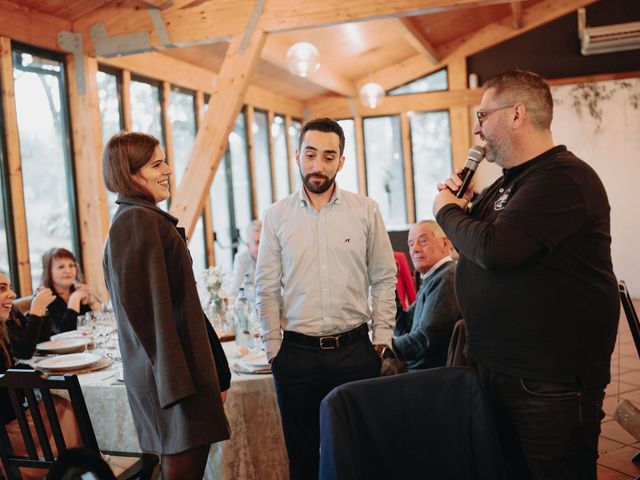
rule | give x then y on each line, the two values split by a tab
323	125
529	88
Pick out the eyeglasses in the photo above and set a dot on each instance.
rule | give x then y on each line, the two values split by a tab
481	115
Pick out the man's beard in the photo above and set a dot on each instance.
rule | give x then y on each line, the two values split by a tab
498	149
317	188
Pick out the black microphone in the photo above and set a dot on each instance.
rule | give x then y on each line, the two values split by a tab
474	157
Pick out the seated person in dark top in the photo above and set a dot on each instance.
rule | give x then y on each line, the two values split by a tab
422	332
7	354
25	331
60	274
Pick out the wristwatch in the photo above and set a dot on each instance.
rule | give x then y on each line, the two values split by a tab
384	351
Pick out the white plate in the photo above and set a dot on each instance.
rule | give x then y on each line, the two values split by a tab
64	345
72	361
255	359
69	334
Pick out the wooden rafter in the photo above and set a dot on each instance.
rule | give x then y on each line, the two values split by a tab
211	141
275	52
417	39
159	4
30	26
225	18
516	13
482	39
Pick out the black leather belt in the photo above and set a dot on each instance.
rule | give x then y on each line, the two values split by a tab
328	342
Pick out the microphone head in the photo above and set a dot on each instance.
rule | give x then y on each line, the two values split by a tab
475	156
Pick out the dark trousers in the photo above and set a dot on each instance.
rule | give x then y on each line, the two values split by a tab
547	430
303	375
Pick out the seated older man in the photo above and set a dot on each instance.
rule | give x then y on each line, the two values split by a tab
245	261
423	331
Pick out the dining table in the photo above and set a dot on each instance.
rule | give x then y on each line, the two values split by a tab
256	449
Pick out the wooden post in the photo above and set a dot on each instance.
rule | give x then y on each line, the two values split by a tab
87	143
252	158
167	127
459	114
126	100
12	142
224	106
362	171
407	158
290	154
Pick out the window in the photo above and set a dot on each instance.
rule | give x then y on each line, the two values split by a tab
294	135
221	210
146	113
348	177
241	179
47	174
431	153
111	115
385	170
6	243
262	165
198	250
182	114
434	82
281	159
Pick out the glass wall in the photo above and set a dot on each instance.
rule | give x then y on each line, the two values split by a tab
5	210
281	158
384	167
47	174
111	115
222	215
240	176
294	135
348	177
431	153
182	115
262	167
146	113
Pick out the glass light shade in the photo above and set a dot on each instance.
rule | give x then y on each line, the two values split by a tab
303	59
371	94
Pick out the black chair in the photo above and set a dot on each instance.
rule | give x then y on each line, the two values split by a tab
429	424
634	326
24	388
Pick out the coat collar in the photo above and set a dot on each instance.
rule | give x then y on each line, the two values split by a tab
142	202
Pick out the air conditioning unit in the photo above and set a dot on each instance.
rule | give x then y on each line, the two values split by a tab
610	38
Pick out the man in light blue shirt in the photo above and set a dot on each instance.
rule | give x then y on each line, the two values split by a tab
325	269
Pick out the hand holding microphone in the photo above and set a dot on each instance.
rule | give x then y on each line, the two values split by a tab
460	181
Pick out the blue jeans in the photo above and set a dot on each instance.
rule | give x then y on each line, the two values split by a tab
547	430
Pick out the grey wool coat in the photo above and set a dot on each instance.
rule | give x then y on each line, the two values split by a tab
169	368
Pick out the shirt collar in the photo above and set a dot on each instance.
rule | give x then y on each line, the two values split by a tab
303	198
438	264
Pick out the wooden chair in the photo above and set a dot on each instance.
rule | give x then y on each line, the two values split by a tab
27	386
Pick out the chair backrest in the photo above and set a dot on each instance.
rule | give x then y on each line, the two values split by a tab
432	423
630	313
23	304
24	387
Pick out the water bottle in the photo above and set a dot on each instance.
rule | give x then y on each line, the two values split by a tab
241	319
249	289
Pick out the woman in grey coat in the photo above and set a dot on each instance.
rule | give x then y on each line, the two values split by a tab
170	353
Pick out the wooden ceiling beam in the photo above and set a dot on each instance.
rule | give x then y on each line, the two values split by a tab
516	15
30	26
159	4
215	20
417	39
482	39
182	74
275	52
213	133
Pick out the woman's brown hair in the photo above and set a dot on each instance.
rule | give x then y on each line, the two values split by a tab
125	154
47	260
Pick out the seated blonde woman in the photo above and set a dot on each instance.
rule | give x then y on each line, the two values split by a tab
60	275
64	409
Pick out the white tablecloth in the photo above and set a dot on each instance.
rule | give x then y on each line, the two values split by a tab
256	449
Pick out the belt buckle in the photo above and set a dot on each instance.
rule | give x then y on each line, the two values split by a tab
330	346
